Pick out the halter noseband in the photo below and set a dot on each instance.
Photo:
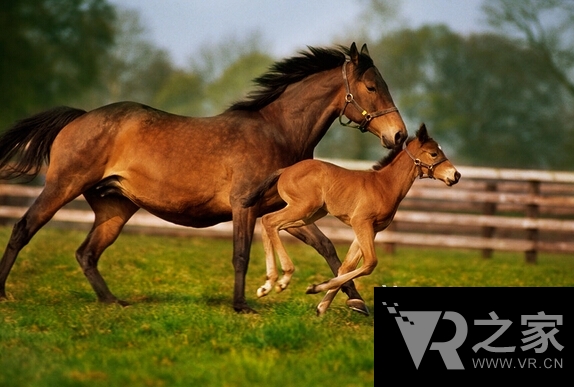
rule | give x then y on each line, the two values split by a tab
350	99
419	164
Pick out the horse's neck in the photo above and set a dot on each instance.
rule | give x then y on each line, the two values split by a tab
306	109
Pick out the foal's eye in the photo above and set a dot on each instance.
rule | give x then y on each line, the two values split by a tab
434	154
371	89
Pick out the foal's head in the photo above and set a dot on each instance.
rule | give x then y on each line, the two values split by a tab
429	158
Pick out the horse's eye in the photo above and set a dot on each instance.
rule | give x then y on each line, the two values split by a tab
434	154
371	89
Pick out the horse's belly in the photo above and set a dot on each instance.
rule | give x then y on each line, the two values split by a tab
195	205
192	220
193	210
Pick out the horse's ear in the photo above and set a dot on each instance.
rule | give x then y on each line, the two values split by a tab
365	50
422	133
354	53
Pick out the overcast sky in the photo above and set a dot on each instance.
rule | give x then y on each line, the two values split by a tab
182	27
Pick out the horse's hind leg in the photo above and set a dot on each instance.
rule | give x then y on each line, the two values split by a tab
314	237
39	213
112	213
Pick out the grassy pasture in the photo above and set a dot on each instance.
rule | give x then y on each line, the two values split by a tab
181	329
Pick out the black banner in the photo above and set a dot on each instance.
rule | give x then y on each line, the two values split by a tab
513	331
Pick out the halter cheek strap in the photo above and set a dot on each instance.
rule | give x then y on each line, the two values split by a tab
419	164
349	98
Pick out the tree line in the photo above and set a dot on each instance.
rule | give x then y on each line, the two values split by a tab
502	98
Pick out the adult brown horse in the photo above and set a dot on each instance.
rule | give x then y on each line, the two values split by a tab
195	171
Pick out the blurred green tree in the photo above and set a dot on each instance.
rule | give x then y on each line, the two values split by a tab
489	98
134	68
50	51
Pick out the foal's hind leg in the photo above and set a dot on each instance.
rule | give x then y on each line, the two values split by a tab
271	266
314	237
112	213
287	217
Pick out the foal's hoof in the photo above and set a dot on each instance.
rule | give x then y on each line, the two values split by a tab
322	308
311	289
358	306
280	287
262	291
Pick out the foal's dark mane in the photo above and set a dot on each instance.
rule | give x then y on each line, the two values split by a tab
386	160
288	71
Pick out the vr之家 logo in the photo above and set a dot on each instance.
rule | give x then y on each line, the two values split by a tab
474	329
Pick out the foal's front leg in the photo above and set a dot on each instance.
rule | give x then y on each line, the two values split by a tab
314	237
365	236
352	258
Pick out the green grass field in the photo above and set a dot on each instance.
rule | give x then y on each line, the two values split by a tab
181	329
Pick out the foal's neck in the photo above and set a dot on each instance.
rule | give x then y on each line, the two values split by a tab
400	174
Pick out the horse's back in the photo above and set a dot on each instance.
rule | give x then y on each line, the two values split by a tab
173	166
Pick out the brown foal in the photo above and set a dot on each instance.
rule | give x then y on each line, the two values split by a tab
365	200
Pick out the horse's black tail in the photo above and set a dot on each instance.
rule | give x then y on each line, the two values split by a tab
260	191
31	140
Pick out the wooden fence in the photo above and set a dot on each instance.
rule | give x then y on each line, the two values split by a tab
488	210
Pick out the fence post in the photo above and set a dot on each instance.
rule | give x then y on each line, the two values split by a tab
532	212
488	208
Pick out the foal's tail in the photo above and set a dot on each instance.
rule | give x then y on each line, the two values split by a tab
260	191
31	139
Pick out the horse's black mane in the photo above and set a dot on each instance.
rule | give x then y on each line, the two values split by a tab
386	160
288	71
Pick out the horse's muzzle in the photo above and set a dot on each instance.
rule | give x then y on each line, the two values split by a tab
396	141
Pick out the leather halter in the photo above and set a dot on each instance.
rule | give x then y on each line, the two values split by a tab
350	99
419	164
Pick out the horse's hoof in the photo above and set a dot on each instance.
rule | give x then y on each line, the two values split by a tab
280	287
358	306
244	309
123	303
311	290
114	301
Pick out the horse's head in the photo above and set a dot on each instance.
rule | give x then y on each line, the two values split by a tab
430	160
372	107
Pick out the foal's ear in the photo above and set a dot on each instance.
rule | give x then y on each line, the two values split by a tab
354	53
365	50
422	133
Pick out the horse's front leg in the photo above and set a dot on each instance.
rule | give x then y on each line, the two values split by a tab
314	237
271	267
243	228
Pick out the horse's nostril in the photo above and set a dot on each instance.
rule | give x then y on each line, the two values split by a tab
457	176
